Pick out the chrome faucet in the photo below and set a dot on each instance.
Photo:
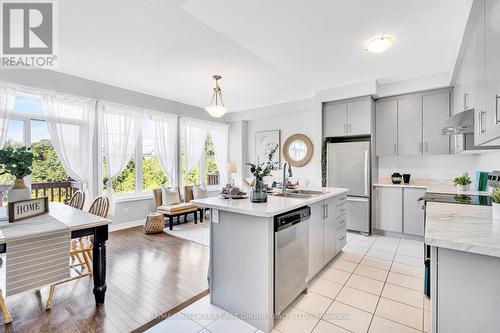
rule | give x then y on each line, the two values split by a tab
284	185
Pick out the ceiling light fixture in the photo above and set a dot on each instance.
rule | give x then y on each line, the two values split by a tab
218	109
379	44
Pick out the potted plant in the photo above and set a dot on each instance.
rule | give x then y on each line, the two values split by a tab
17	162
462	183
259	194
495	197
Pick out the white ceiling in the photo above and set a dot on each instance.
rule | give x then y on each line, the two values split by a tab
268	52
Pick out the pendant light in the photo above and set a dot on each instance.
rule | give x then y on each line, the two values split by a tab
216	109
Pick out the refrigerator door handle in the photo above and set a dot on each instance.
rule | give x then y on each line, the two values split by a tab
366	172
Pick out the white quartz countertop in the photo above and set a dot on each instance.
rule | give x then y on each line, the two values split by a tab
275	205
431	185
466	228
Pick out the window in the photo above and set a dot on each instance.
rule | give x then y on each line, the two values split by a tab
144	176
207	170
28	128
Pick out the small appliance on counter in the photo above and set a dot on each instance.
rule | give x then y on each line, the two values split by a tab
396	178
406	178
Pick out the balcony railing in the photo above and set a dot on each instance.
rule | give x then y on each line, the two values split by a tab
213	179
56	191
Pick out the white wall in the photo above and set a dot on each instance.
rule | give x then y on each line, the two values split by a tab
299	121
238	149
429	167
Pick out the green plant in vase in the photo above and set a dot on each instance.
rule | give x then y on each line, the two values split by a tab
462	183
17	162
259	194
495	198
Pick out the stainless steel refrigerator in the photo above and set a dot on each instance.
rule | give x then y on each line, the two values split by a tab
349	166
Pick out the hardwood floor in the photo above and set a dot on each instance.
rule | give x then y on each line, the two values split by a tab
148	276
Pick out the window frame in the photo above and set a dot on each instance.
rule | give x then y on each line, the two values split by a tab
138	155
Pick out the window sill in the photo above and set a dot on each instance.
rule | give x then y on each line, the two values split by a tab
133	197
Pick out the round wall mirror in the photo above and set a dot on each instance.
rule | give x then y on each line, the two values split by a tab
298	150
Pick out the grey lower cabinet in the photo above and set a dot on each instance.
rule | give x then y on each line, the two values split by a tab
316	239
413	211
327	232
467	292
389	209
398	210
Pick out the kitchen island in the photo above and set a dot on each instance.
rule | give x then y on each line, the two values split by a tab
465	266
243	247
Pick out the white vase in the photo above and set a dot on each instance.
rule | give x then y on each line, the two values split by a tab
19	191
495	210
462	188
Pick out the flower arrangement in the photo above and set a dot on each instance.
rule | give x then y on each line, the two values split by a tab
16	162
264	169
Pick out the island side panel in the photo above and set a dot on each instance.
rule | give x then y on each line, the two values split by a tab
468	292
242	267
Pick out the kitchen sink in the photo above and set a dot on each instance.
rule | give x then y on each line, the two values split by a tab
293	195
300	194
309	192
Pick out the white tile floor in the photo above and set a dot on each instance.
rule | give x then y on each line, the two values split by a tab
375	285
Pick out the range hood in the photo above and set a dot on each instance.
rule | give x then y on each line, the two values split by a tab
461	129
461	123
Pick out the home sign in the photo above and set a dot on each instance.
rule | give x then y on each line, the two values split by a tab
24	209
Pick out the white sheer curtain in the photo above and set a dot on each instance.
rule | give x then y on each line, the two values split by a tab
165	142
7	102
70	124
220	134
195	134
119	128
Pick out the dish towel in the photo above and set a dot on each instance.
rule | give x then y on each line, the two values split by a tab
37	253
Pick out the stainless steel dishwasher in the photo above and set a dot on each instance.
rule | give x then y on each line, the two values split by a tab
291	256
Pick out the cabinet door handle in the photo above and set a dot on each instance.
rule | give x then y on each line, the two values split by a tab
326	211
497	118
482	122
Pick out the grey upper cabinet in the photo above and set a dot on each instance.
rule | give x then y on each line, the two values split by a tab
436	110
348	118
335	120
491	117
410	125
359	117
386	127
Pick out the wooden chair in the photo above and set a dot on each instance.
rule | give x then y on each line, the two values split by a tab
82	248
77	200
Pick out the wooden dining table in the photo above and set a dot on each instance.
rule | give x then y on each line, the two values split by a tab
81	224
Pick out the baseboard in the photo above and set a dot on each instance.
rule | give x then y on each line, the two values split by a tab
125	225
